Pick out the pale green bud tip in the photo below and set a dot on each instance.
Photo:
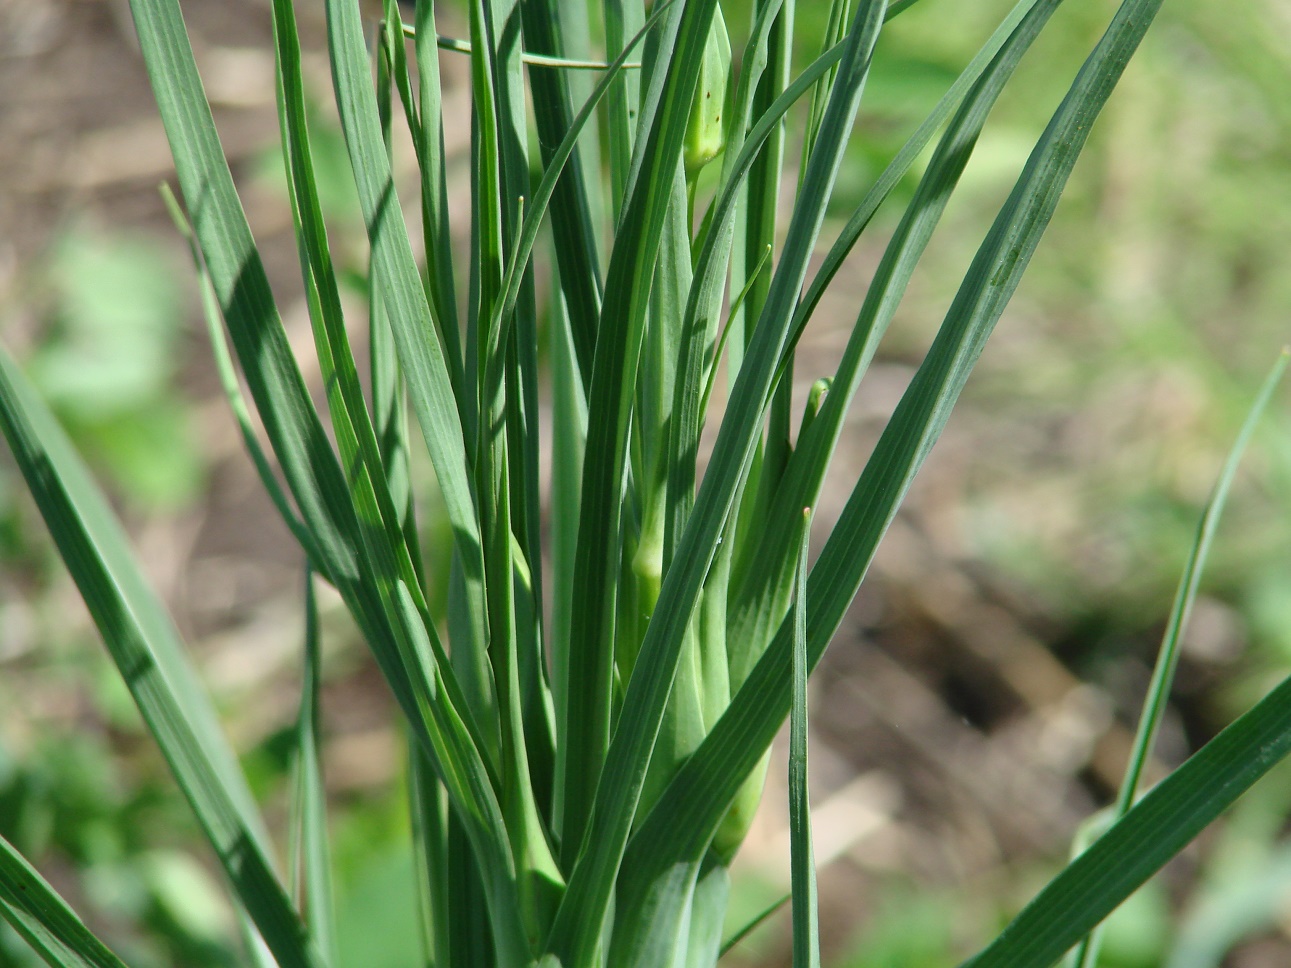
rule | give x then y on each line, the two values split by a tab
706	130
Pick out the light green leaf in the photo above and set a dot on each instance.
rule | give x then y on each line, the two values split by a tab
43	918
146	649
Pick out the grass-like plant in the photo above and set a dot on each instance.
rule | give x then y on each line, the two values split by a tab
580	783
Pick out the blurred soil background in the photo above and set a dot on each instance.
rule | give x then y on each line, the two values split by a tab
980	701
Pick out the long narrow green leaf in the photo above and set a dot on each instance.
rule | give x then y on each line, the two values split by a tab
806	918
1158	694
229	382
537	208
436	229
291	423
529	57
571	223
591	885
472	789
146	649
622	17
683	820
390	422
758	919
311	862
237	274
900	164
506	459
754	229
397	278
1158	827
430	857
44	920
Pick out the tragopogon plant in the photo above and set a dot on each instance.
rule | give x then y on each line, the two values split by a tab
581	784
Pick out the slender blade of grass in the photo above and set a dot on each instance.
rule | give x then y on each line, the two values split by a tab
389	400
314	477
1158	694
622	18
44	920
445	720
571	223
311	861
232	390
380	518
436	229
1136	847
802	863
237	274
146	649
904	158
430	857
764	74
568	440
755	231
492	464
757	920
706	291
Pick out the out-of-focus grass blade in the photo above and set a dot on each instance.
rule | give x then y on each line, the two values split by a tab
430	856
758	919
311	861
229	382
147	651
692	806
591	885
1136	847
44	920
1158	694
900	6
802	863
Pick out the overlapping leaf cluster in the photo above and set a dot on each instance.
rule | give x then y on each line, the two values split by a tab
580	785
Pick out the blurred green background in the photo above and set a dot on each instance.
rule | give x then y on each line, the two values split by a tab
979	702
